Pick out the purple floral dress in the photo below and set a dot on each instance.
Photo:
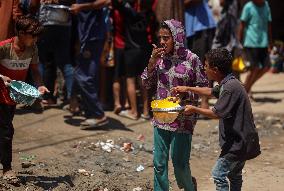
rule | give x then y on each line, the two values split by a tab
183	68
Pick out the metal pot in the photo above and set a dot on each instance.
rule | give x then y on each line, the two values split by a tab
51	14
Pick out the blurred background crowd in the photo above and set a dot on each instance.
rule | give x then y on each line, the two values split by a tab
92	52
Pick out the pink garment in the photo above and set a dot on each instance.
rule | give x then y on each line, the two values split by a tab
8	13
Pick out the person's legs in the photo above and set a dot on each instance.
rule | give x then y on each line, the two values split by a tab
116	96
74	106
145	98
232	170
145	103
117	85
132	59
161	157
86	76
49	79
261	73
131	91
6	135
235	176
180	153
6	140
257	76
250	78
259	63
46	49
68	77
144	56
219	173
62	56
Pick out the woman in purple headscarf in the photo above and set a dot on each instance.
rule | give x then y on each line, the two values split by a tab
170	65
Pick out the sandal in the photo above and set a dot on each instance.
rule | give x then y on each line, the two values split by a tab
93	123
145	117
127	115
11	177
117	109
74	106
76	111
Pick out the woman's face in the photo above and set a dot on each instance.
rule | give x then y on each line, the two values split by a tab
166	40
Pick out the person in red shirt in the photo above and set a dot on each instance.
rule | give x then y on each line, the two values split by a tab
17	55
119	71
9	12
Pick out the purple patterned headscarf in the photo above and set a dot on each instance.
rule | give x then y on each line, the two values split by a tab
178	34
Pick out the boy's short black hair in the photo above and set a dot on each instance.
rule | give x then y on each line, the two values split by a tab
220	58
28	25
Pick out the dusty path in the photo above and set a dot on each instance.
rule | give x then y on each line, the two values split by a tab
57	148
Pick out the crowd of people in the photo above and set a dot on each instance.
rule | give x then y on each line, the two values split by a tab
119	34
178	47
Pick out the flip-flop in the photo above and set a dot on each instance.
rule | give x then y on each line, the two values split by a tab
75	112
145	117
93	123
117	110
126	114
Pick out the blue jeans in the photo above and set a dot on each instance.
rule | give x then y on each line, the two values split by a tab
232	170
180	146
86	78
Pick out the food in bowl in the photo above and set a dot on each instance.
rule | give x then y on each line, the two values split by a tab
165	110
164	103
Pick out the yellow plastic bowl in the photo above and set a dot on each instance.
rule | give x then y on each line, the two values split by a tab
164	116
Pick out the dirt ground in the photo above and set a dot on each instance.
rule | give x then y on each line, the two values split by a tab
52	153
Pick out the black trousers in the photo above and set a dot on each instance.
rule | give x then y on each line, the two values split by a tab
54	51
6	134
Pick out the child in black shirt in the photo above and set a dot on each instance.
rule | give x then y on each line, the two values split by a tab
237	133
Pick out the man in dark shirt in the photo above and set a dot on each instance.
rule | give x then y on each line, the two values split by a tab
237	134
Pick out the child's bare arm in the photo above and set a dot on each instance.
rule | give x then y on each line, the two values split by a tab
189	110
203	91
